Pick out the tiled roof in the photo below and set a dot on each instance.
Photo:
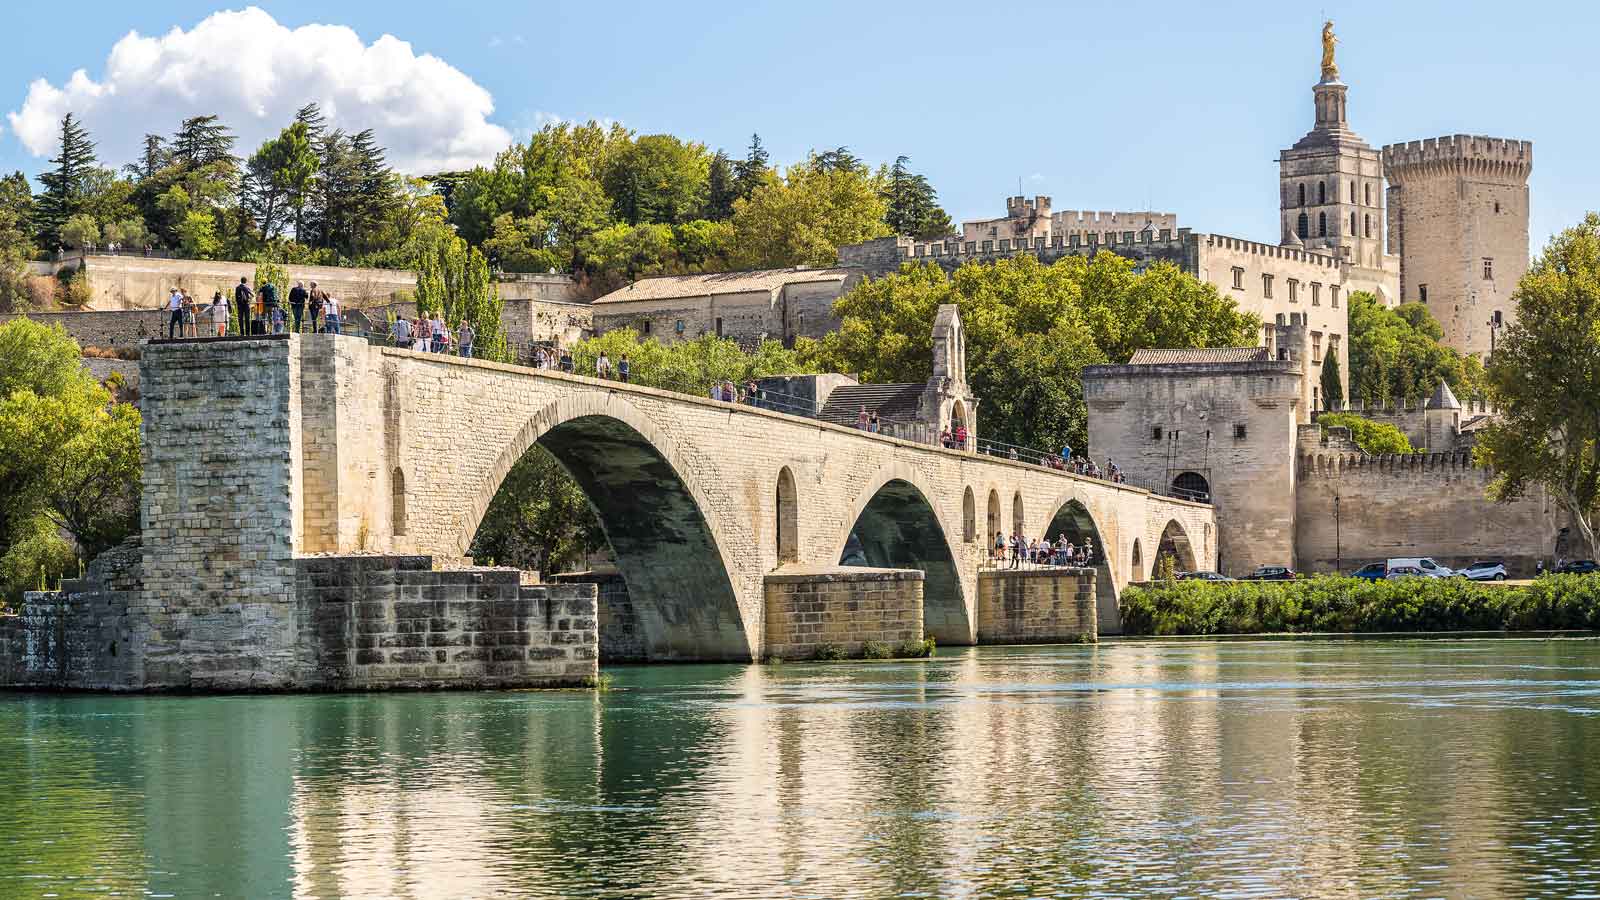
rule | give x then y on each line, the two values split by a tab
1212	355
668	287
900	402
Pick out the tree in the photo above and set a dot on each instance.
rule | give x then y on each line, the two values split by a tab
658	179
454	280
1544	378
539	520
912	205
1031	329
64	185
80	230
1332	388
722	188
279	177
16	243
751	172
803	218
1396	354
197	235
1372	437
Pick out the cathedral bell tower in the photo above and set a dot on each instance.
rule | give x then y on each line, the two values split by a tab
1331	181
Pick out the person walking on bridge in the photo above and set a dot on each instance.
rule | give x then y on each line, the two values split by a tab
602	366
315	298
242	295
297	304
175	314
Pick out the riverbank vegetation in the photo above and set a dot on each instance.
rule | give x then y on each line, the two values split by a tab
1341	604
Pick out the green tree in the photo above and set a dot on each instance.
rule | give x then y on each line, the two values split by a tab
804	217
454	280
197	235
751	172
80	230
658	179
1396	354
1544	378
1377	438
279	179
722	188
912	206
16	242
1031	329
539	520
63	193
1332	387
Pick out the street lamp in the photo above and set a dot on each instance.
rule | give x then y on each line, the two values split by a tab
1338	549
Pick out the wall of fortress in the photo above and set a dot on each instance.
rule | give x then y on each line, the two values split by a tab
1429	504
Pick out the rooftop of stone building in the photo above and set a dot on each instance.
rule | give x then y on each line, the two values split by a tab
1443	397
1204	355
667	287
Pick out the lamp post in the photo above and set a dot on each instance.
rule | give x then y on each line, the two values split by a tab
1338	549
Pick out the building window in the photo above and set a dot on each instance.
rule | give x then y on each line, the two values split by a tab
719	326
1322	192
1497	207
1316	294
1238	278
1352	192
1353	231
1238	431
1333	295
1266	286
678	326
1422	293
1316	347
1368	223
645	327
1155	433
1322	224
1367	193
1303	196
1488	269
1294	291
1305	226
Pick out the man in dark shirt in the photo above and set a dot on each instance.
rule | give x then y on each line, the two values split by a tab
269	301
297	304
242	295
316	298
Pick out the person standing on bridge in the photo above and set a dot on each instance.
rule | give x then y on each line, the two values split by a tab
175	314
402	332
330	312
466	335
862	419
999	552
315	298
217	315
297	304
602	366
242	295
623	368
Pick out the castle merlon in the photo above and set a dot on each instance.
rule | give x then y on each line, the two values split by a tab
1506	154
1336	462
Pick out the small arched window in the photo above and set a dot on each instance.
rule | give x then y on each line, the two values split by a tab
1302	196
969	517
1353	225
1368	223
1018	520
1322	224
1305	227
994	514
1352	192
1322	192
788	518
1367	194
397	502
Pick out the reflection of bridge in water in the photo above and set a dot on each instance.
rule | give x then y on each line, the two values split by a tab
401	452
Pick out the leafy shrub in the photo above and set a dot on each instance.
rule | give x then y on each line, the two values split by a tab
915	649
876	650
829	653
1340	604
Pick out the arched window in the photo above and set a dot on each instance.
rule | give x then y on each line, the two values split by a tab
1322	224
1017	518
1322	192
1302	196
1352	192
397	501
969	517
1367	193
1305	227
1138	562
788	518
1192	486
994	516
1368	222
1353	225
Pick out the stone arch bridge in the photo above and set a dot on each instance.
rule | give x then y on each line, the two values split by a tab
345	447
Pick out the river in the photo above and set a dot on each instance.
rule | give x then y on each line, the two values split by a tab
1311	768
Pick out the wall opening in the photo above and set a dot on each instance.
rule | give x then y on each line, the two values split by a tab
1175	543
1073	521
1136	572
1192	486
788	508
898	529
1018	519
969	516
397	502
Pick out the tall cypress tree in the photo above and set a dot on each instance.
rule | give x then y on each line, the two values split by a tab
722	188
1332	390
63	185
748	172
913	205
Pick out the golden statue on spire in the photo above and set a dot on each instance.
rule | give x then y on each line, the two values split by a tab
1330	71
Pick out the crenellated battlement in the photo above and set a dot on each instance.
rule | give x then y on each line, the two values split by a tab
991	248
1277	251
1337	463
1478	154
1110	220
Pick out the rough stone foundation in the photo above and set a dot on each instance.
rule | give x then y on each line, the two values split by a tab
621	634
1039	606
843	606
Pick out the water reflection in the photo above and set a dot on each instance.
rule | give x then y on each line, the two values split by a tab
1311	769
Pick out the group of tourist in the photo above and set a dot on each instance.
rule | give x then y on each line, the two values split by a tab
869	421
432	335
954	440
257	310
1020	550
553	359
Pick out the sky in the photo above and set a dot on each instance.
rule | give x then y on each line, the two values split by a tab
1179	107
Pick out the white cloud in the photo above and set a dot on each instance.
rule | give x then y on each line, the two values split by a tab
255	73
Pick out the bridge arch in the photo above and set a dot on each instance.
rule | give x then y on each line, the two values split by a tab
893	524
1073	519
675	560
1175	543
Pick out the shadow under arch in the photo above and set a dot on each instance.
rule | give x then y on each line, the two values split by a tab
671	557
1175	543
898	528
1072	519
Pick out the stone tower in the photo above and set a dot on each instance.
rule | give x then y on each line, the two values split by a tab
1458	219
1331	191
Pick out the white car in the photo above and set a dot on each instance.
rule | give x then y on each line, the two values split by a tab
1488	570
1427	565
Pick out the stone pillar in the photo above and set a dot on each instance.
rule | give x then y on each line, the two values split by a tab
843	606
1037	606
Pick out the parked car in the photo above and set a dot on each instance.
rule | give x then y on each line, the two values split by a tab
1203	576
1273	573
1486	570
1426	564
1396	572
1578	567
1371	571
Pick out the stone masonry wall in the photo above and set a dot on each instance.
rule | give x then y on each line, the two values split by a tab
621	637
384	622
1040	606
841	606
81	636
103	328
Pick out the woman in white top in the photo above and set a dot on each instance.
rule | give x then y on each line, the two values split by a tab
330	312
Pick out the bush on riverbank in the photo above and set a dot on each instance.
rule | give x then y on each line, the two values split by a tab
1335	604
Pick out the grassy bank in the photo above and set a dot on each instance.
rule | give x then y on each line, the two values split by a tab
1339	604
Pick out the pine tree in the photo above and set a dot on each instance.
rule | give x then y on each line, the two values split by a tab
749	172
202	141
913	207
151	159
1332	390
721	188
63	185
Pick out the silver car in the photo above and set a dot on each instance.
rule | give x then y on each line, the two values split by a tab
1487	570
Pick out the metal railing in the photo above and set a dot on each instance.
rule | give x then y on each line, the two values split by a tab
1028	563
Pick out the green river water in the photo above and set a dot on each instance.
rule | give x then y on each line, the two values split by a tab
1373	768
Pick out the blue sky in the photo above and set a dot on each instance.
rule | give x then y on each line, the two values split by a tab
1179	106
